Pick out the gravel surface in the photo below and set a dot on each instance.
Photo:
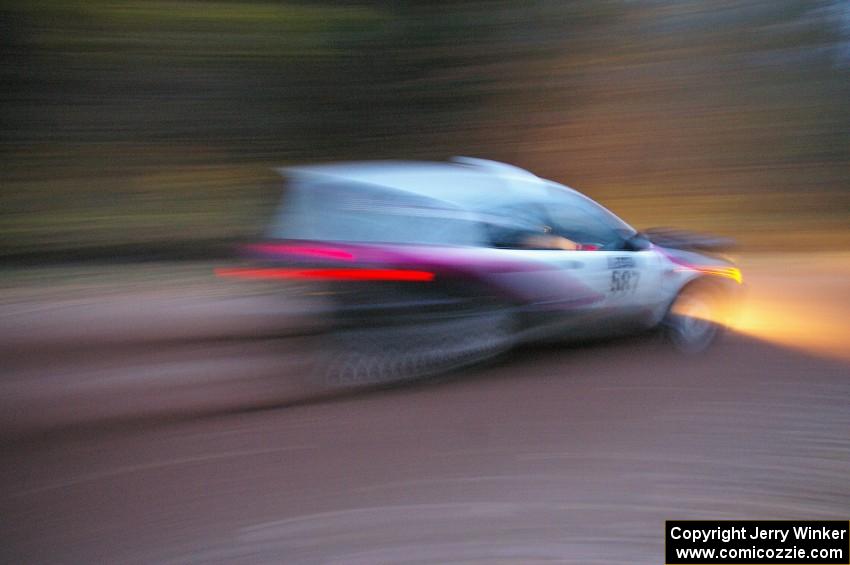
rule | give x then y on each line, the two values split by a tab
176	427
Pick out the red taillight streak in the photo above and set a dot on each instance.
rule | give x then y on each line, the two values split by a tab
324	252
329	274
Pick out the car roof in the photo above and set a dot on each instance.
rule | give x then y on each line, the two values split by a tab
464	181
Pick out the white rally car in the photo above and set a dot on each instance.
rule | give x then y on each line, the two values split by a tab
434	265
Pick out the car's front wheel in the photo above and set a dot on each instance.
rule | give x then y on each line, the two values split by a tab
695	318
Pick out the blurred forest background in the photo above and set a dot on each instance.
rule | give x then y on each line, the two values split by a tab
152	124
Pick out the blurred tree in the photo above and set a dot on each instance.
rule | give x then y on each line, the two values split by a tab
150	121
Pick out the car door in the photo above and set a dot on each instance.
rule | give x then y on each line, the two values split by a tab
557	289
627	277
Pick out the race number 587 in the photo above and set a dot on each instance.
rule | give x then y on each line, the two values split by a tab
624	281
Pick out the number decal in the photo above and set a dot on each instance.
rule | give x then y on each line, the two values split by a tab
624	281
621	263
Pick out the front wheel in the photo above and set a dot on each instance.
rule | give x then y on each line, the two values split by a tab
695	319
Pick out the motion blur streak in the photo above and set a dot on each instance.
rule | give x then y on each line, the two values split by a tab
725	272
320	252
329	274
799	302
806	308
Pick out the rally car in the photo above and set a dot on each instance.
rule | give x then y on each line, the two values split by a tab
433	265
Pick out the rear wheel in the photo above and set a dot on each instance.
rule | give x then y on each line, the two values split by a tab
386	354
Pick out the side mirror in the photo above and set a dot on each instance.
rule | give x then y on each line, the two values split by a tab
637	242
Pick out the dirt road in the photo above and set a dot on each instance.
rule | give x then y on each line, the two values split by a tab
566	455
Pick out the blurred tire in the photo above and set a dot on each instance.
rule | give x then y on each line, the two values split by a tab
695	319
388	354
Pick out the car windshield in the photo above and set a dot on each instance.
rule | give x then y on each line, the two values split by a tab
580	219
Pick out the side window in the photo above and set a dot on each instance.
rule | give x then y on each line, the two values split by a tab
516	226
581	220
365	213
